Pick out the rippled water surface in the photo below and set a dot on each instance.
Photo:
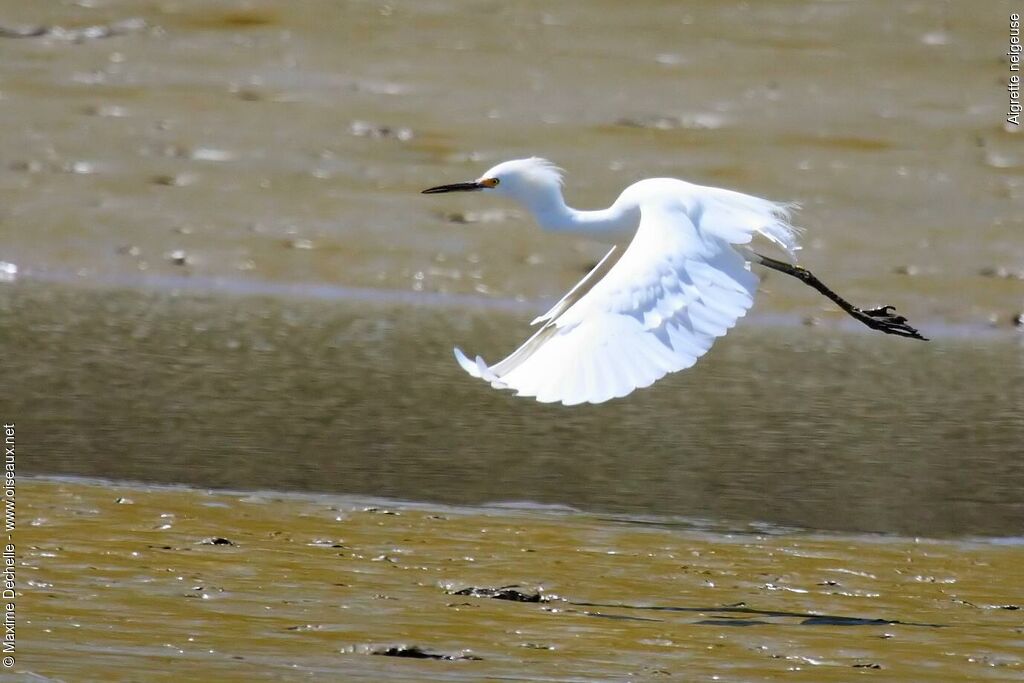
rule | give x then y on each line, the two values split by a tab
217	270
813	427
264	586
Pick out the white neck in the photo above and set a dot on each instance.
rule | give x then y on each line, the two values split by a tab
551	213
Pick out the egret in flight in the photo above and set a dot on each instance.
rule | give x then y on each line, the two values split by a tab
655	307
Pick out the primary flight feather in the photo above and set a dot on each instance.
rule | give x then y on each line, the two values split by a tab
654	308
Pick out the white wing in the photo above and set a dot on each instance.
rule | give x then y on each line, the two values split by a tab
657	310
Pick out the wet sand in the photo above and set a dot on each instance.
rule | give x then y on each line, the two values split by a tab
190	584
271	145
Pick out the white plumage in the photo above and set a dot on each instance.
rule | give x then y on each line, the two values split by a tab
641	313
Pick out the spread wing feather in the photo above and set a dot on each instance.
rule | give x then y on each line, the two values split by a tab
676	288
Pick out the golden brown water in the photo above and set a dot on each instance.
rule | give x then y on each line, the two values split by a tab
226	278
310	587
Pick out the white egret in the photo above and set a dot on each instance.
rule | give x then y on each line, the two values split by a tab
657	306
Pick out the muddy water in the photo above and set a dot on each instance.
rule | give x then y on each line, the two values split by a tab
264	586
791	425
225	277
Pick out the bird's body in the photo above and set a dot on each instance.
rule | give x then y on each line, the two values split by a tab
644	312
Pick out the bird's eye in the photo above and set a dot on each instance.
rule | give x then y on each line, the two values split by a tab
490	182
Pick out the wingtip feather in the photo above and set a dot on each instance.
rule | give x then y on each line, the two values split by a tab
467	365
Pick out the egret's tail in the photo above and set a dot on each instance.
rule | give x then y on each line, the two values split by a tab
737	217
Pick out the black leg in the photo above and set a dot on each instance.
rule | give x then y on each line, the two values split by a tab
883	318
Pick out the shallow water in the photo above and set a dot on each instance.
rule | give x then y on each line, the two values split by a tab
309	587
813	427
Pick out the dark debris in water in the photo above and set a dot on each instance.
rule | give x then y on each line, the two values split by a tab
907	269
718	615
485	216
175	179
829	620
806	619
510	593
673	122
381	511
732	622
1009	606
1002	273
216	540
415	652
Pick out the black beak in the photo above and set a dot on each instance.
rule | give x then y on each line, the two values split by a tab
456	187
